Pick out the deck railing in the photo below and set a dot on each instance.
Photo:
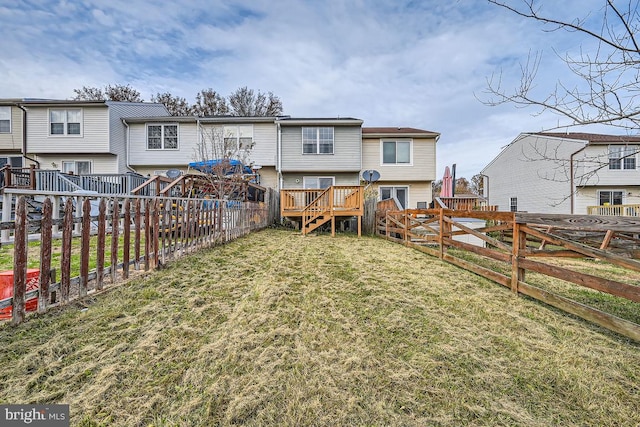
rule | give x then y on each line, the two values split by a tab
53	180
614	210
345	198
464	204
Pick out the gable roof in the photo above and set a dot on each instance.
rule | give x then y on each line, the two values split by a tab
591	138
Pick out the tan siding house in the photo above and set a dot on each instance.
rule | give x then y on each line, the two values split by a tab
406	161
11	134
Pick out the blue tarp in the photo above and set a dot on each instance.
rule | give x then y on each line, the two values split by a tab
230	166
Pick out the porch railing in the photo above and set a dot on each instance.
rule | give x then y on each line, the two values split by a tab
53	180
614	210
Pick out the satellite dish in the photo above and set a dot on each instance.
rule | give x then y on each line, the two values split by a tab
173	173
370	175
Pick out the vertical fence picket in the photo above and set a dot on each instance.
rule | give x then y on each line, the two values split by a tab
136	225
162	213
171	229
147	234
45	256
65	259
156	232
84	247
19	262
183	227
101	238
519	246
189	223
126	249
115	239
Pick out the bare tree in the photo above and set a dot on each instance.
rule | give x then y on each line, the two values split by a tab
210	103
608	85
477	184
436	187
115	92
248	103
89	94
122	93
223	160
176	105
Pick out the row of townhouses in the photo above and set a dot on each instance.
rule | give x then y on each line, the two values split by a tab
107	137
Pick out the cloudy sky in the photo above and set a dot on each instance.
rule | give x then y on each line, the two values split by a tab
412	63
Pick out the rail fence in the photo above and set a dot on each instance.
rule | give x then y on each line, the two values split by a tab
521	243
100	240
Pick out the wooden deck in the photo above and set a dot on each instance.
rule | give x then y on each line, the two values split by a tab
315	207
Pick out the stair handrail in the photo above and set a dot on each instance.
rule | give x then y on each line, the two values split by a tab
67	181
307	217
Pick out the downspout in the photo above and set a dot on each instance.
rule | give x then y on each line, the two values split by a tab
199	142
485	187
24	135
571	179
128	142
279	159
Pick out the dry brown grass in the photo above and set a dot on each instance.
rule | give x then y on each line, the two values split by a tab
281	329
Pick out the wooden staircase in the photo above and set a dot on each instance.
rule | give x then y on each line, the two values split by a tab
318	212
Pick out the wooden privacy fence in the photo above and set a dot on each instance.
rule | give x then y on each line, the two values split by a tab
523	242
102	239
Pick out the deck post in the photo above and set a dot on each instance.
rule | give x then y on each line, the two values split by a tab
519	246
7	199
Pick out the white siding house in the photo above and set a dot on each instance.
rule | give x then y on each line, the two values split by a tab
157	144
81	136
564	173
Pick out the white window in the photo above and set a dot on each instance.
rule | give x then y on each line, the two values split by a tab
622	156
316	140
396	152
400	194
610	197
65	122
5	119
310	182
80	167
13	161
513	204
162	137
238	137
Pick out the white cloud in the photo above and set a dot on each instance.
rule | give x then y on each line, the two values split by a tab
418	64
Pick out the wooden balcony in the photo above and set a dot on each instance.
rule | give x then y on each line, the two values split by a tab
315	207
614	210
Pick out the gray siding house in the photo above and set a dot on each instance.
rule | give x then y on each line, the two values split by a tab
319	152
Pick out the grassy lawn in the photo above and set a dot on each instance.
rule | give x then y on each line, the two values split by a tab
281	329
